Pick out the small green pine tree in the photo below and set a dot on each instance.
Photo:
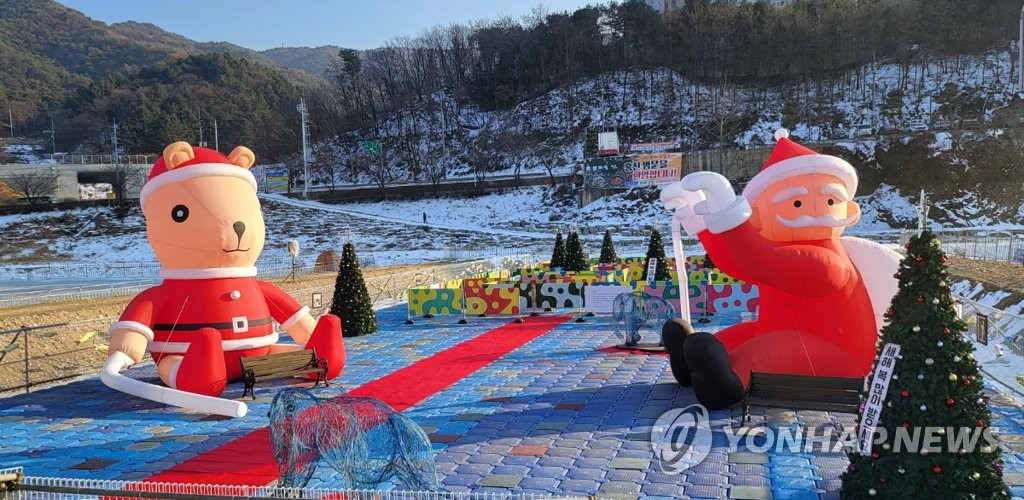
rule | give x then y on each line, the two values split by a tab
934	384
656	250
558	255
351	301
575	258
608	248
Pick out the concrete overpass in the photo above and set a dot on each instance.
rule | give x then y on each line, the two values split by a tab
70	175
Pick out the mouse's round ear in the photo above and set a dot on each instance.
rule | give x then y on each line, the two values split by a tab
177	153
242	156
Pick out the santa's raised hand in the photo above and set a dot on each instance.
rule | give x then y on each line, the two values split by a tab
722	210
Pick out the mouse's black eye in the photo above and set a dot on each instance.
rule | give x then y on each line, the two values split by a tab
831	202
797	203
179	213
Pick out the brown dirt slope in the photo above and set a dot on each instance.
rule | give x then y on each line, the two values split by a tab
992	275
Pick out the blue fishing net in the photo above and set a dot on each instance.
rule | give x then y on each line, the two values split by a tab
634	314
363	440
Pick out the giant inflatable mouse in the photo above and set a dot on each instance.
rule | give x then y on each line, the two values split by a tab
205	225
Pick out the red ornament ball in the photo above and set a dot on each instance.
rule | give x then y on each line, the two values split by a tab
874	456
883	480
919	258
950	401
980	422
945	331
897	275
906	425
905	393
937	469
920	299
967	382
943	259
908	246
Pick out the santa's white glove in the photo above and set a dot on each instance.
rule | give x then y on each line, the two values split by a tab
682	202
722	209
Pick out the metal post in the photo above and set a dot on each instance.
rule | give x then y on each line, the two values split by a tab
24	333
302	109
216	138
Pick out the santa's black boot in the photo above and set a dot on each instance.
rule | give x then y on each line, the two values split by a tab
673	336
714	383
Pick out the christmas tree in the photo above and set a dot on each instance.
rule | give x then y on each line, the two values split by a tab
351	301
934	390
608	248
655	250
575	258
558	256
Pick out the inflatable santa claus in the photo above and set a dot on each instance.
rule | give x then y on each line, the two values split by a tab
821	296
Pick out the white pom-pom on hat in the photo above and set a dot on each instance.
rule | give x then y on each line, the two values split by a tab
781	133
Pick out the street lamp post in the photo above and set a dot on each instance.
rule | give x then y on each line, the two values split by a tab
301	108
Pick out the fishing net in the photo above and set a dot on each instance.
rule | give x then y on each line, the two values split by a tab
362	439
637	313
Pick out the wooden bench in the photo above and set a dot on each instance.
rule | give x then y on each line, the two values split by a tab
281	365
802	392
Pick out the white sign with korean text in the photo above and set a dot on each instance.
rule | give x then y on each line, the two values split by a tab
876	395
600	298
652	269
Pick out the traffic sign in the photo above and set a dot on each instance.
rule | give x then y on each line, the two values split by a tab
372	148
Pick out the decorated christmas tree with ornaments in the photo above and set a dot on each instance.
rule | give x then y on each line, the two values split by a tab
934	415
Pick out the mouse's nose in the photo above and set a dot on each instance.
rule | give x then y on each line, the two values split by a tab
239	229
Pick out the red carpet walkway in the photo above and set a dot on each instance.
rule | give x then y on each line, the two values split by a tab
249	460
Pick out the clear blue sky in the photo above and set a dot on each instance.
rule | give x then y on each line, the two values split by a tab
265	24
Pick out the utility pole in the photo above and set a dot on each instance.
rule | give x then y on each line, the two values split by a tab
53	138
10	119
216	138
302	109
115	144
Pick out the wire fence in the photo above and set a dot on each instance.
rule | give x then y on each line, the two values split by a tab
38	355
21	486
999	246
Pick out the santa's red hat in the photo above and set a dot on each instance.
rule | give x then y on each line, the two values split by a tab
206	163
790	159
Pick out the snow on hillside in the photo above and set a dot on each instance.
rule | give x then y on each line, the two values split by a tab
668	106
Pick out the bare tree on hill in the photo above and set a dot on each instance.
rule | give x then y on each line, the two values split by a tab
33	183
124	177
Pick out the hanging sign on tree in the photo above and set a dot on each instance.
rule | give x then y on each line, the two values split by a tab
876	395
652	269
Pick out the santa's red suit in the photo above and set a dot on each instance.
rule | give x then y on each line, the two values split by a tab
812	287
230	300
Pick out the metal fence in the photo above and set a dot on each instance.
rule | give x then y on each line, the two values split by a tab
14	484
1000	246
37	355
75	159
147	272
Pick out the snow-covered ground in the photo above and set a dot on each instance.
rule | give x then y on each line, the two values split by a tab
1003	358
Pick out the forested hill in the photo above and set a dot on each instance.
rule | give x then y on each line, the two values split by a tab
55	59
160	102
302	64
60	65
